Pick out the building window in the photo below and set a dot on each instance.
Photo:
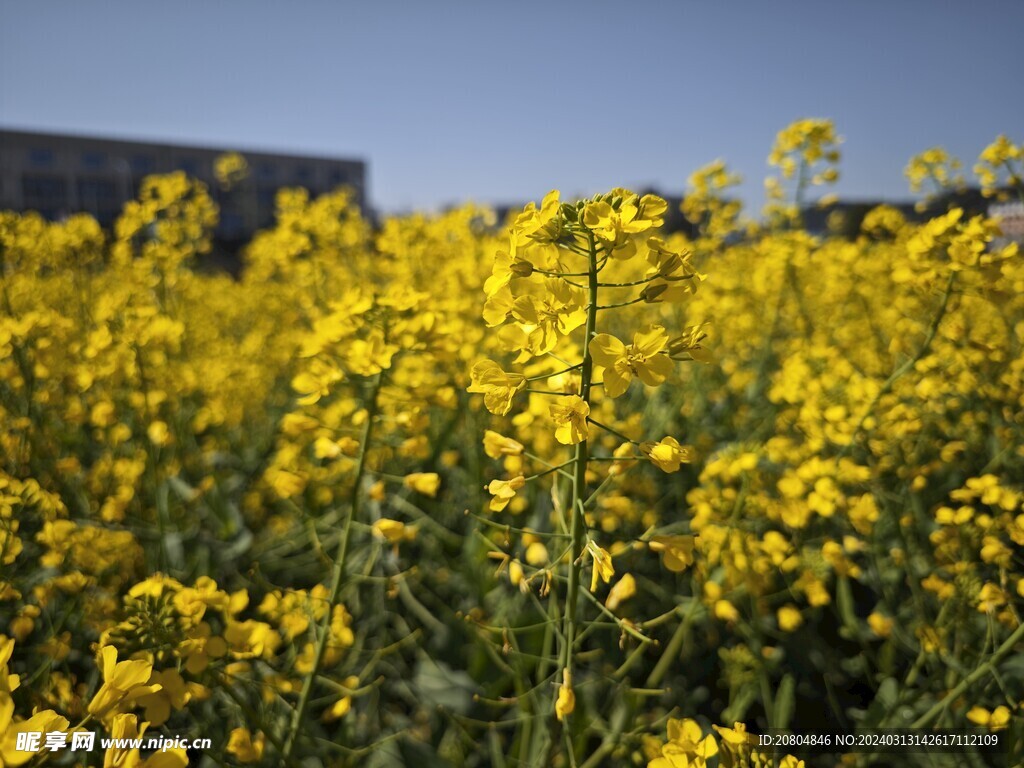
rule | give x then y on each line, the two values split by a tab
304	174
189	165
93	161
92	192
266	197
232	225
339	177
40	158
266	171
142	164
49	188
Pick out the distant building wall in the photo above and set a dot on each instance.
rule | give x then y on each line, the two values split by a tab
1011	222
58	175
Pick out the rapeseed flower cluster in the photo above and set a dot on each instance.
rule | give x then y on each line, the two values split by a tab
563	489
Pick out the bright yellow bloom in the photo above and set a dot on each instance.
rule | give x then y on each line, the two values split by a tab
515	573
608	223
370	356
570	416
229	169
158	433
990	597
123	683
559	311
535	225
173	695
616	223
249	639
642	359
1002	155
497	386
506	268
996	720
536	553
503	491
808	141
667	454
286	484
426	483
316	381
566	702
789	618
126	726
40	722
677	551
687	747
393	531
934	165
726	611
245	747
603	567
8	682
338	709
736	736
623	589
497	445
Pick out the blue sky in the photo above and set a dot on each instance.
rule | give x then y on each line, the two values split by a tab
452	100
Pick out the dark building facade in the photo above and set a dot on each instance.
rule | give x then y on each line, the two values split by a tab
57	174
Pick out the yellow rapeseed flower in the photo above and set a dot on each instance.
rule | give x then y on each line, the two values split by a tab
603	568
642	359
245	747
570	416
621	591
667	454
566	701
123	683
497	386
426	483
789	618
497	445
503	491
677	551
995	720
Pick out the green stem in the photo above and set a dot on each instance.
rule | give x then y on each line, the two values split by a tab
798	196
577	529
623	303
543	376
985	669
616	433
337	576
675	645
509	528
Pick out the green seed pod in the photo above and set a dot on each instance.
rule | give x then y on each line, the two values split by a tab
651	292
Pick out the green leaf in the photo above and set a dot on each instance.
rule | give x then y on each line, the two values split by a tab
784	701
440	685
740	704
844	602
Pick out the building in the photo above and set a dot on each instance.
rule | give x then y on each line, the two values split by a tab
1010	216
57	175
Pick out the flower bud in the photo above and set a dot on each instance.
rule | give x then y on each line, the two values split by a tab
671	264
651	292
521	268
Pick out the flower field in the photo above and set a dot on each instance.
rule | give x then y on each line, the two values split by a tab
565	490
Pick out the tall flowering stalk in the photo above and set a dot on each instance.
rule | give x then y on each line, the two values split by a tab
571	268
